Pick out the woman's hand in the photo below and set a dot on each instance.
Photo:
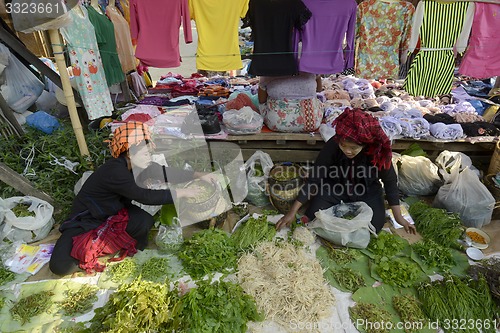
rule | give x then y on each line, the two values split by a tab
409	228
286	220
188	192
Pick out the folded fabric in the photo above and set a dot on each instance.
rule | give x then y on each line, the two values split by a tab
414	127
239	102
440	118
467	118
145	109
446	132
480	128
391	126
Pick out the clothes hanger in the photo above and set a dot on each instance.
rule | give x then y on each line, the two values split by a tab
95	4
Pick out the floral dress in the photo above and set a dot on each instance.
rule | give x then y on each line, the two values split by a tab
383	35
86	64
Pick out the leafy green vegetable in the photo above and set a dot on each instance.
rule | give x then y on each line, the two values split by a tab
210	250
456	299
6	275
30	306
490	270
386	244
398	272
437	224
434	255
79	301
408	309
348	279
341	256
22	210
125	269
368	314
414	150
219	307
139	306
155	269
253	231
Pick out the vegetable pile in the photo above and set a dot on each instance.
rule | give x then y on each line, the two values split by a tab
408	309
155	269
219	307
287	284
341	256
124	270
369	314
437	224
22	210
30	306
348	279
434	255
208	251
252	232
79	301
6	275
385	244
139	306
490	270
398	272
458	299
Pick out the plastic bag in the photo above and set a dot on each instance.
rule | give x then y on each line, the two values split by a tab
243	121
450	163
257	168
29	228
43	121
35	15
332	224
169	237
79	184
467	196
418	176
21	88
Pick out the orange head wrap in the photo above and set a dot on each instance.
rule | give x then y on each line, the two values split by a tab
132	133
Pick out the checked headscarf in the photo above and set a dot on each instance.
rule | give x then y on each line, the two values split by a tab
132	133
359	126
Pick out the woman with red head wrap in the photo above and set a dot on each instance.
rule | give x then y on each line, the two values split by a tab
349	168
106	197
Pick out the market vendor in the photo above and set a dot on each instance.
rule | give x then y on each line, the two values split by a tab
106	198
349	169
289	103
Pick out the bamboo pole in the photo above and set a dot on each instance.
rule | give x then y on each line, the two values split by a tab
55	39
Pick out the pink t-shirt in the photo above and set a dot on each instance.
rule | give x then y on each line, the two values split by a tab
155	25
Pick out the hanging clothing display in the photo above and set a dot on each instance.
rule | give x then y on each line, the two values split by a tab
273	24
323	35
123	39
105	33
439	26
482	59
86	63
155	25
383	35
218	48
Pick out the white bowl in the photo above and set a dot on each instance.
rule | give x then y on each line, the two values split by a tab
474	254
480	232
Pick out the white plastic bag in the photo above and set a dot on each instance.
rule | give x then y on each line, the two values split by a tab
418	176
169	237
243	121
21	88
332	225
450	163
257	177
467	196
29	228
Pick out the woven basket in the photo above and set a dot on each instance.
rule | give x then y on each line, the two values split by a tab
206	205
494	167
283	191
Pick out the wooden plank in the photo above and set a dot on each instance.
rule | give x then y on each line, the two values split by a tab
15	180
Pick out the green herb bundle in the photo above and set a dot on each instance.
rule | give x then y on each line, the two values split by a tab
490	270
462	300
22	210
79	301
341	256
253	231
434	255
437	224
348	279
6	275
30	306
125	269
371	317
219	307
208	251
408	309
398	272
386	244
139	306
155	269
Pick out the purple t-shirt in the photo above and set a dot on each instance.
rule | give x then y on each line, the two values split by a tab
323	35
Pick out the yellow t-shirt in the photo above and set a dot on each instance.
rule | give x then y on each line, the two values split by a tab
217	24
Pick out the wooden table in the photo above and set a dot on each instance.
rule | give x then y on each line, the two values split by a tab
304	147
